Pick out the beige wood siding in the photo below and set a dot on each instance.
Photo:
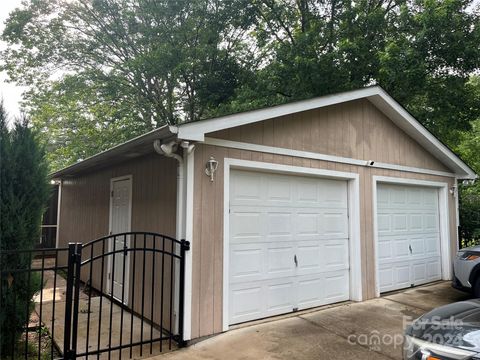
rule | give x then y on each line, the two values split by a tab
85	207
355	130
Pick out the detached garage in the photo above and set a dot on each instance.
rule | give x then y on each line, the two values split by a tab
337	198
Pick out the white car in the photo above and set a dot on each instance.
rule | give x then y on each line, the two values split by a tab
466	269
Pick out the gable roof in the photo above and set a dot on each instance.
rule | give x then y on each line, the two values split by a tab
196	131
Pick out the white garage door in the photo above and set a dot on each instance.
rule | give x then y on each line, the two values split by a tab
288	245
408	236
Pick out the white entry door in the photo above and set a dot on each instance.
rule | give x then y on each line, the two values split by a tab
408	236
120	219
288	246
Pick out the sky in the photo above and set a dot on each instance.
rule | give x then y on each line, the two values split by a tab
10	93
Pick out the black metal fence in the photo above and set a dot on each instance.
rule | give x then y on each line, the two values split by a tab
118	296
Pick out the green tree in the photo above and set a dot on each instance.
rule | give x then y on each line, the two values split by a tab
132	65
24	191
469	148
422	52
128	66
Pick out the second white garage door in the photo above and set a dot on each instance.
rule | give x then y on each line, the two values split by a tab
288	246
408	236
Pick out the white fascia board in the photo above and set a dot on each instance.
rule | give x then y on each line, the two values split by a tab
196	130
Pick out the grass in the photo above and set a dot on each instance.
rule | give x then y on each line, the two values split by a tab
32	352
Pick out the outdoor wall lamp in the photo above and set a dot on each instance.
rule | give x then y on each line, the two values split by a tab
453	190
210	167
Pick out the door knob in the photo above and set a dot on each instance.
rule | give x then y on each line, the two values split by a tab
295	260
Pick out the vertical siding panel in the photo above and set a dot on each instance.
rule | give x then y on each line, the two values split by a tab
217	234
317	142
268	138
207	252
197	240
297	138
306	137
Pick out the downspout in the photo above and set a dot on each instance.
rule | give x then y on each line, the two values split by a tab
168	150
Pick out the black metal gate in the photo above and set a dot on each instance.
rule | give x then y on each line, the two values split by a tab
118	296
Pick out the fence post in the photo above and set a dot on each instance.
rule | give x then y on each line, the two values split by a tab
185	246
71	301
76	298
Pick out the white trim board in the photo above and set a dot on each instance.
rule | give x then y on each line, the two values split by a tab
444	215
376	95
127	261
353	212
59	208
187	312
317	156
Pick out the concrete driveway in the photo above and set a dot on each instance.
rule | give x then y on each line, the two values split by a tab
369	330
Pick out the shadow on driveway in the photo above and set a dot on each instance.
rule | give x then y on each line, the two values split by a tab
370	330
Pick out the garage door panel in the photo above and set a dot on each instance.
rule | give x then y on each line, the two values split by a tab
336	286
308	192
383	197
397	196
333	193
279	224
408	236
431	222
399	222
430	199
280	261
307	224
419	272
280	297
245	225
392	248
245	302
290	218
395	275
401	249
321	289
279	190
246	189
416	222
418	247
383	223
335	255
311	292
432	246
246	262
335	224
384	250
414	197
309	257
434	269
